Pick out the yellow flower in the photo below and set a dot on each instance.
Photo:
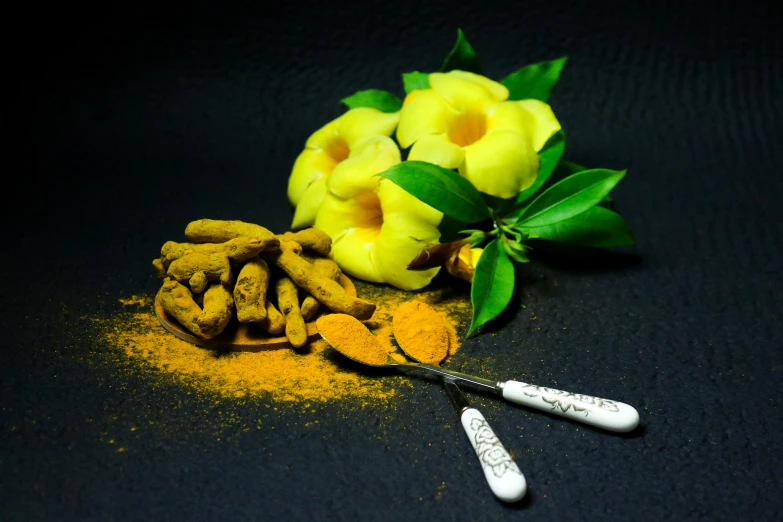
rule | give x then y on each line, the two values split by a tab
464	122
377	228
331	149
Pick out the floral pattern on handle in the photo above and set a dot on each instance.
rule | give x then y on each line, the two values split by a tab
490	450
566	400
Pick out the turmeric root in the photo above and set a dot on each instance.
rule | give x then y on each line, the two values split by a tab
288	301
326	268
218	307
160	269
198	282
250	291
291	246
310	239
326	291
310	307
178	302
219	231
239	249
275	321
215	266
198	274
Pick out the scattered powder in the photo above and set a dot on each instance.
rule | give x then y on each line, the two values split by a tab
314	374
136	300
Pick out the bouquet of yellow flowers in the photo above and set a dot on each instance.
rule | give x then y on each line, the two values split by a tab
483	173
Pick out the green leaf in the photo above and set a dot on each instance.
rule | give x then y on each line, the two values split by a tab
515	250
566	168
415	80
462	57
517	235
534	81
440	188
493	285
595	227
384	101
449	228
549	157
474	237
569	197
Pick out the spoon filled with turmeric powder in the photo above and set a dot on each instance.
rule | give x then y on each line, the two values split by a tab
353	339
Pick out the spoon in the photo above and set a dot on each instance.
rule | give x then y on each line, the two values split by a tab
503	475
594	411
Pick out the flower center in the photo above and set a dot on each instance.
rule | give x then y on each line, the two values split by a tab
467	128
368	216
337	149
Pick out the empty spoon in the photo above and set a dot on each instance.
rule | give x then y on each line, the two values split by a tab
594	411
503	475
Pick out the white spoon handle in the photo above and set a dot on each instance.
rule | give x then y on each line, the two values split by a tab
503	476
601	413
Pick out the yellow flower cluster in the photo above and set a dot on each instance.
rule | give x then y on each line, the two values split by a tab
463	121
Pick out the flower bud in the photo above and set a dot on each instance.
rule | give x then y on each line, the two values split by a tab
463	263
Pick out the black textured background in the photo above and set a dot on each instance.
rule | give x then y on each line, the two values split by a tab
137	120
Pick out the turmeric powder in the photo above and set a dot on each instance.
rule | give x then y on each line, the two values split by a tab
133	340
220	231
350	337
299	378
288	302
421	332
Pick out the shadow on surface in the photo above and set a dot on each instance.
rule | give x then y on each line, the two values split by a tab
574	258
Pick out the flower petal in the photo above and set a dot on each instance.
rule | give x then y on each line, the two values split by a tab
501	164
411	95
364	121
409	226
423	114
353	253
466	91
532	118
308	167
437	149
354	225
356	174
393	251
546	123
323	137
310	202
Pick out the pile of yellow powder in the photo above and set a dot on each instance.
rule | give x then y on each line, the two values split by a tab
315	374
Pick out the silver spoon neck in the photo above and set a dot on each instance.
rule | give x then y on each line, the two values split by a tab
472	380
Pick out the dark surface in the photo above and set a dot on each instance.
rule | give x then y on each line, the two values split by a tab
139	121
